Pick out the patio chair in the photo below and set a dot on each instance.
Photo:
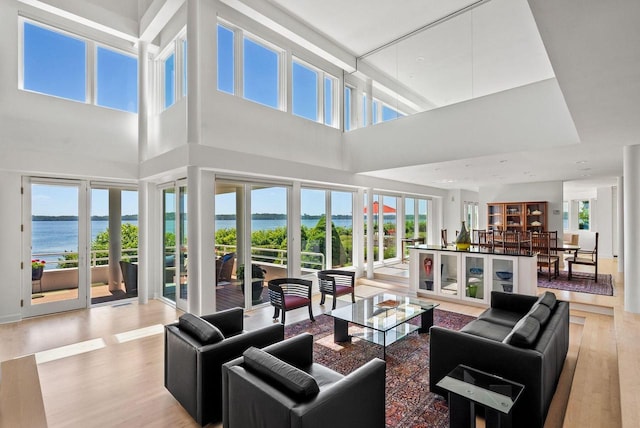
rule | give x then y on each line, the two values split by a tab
286	294
224	267
587	255
336	283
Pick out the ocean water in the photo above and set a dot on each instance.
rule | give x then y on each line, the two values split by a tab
61	236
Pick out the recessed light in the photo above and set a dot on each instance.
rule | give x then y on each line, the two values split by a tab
581	161
586	175
503	161
584	169
420	59
467	165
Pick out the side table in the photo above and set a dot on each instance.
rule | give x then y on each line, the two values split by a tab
469	387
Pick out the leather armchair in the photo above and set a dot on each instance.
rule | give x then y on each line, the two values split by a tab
252	398
192	370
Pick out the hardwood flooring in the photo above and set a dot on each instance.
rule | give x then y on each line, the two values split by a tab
112	374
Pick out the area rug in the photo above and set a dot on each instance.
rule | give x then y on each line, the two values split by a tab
580	282
409	403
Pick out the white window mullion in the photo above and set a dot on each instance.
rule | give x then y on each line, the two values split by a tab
238	54
91	72
320	89
288	107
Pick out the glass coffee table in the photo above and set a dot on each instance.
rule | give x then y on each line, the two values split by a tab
384	318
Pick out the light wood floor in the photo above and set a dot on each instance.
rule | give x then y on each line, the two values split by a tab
118	379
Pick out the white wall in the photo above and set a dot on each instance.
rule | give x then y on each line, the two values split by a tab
10	250
550	191
505	121
52	135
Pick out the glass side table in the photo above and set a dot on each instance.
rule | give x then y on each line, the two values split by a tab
469	387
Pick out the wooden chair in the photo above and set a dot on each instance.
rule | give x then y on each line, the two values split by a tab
286	294
587	254
543	244
336	283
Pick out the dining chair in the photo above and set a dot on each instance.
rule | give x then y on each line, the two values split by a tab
587	255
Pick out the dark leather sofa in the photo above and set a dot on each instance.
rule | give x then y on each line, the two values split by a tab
521	338
196	348
280	386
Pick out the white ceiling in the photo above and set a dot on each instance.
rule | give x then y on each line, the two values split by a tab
591	49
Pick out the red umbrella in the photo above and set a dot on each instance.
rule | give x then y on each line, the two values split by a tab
386	209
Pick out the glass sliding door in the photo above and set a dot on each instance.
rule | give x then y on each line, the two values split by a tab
387	215
229	227
170	260
181	237
114	244
174	233
55	272
341	229
269	254
313	211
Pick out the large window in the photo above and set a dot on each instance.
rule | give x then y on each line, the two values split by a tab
169	68
117	80
348	99
305	91
318	252
330	85
261	73
583	215
54	63
226	58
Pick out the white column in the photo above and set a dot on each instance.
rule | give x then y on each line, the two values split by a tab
294	244
358	232
620	230
631	159
115	238
194	118
145	238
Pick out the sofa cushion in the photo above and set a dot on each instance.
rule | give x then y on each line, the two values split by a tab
487	329
280	374
525	333
501	316
202	330
540	312
548	299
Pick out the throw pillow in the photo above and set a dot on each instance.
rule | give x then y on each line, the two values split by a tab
202	330
282	375
524	333
548	299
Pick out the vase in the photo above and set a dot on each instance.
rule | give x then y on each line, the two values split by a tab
36	273
463	240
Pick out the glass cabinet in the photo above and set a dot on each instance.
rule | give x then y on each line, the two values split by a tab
504	274
473	269
449	274
427	271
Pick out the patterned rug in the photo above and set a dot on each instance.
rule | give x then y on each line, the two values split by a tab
409	403
580	282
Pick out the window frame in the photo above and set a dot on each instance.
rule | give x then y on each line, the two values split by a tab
91	39
320	91
98	45
175	47
281	62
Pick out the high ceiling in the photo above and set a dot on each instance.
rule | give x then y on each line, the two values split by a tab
590	48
